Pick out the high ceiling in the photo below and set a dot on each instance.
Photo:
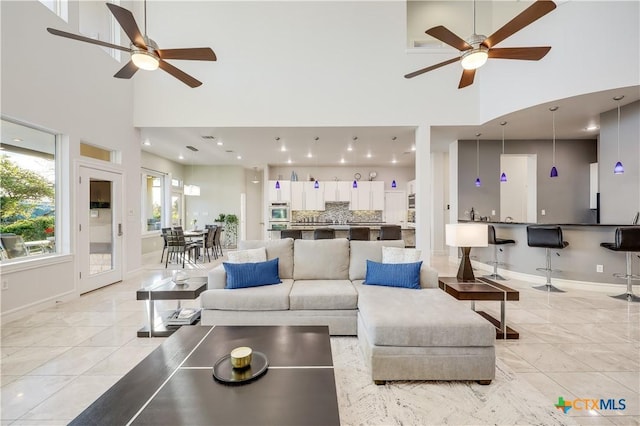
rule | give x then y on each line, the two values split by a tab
257	146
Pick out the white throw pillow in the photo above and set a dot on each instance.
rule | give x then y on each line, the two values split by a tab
247	256
400	255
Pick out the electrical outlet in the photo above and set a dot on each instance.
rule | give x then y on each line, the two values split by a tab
493	212
599	268
543	212
5	284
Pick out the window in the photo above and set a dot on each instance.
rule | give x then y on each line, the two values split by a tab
152	200
27	192
59	7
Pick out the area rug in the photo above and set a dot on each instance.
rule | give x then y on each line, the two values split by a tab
508	400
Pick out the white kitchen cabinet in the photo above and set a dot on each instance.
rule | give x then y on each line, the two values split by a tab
297	195
313	197
369	195
304	196
282	195
411	187
377	195
337	190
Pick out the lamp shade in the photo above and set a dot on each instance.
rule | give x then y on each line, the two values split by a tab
467	235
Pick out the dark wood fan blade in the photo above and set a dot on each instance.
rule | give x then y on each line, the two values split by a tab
524	53
128	23
531	14
180	75
86	39
193	54
446	36
431	68
467	78
127	71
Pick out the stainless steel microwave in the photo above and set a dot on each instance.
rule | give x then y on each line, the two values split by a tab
412	201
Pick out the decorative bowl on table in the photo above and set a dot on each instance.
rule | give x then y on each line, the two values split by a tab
180	277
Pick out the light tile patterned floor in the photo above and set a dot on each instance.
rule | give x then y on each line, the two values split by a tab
579	344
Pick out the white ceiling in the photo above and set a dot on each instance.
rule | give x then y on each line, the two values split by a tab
258	145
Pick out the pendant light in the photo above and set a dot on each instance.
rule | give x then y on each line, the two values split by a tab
554	171
394	184
503	176
478	183
316	184
355	184
619	168
277	184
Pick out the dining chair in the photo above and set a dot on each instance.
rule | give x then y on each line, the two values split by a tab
164	237
207	243
217	245
178	246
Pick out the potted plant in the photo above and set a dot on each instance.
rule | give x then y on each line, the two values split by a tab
230	230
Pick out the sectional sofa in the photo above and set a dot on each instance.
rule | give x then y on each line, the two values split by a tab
405	334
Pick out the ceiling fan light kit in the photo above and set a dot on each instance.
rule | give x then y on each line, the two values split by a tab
475	52
145	53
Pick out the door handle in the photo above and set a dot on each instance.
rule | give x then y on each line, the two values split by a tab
119	230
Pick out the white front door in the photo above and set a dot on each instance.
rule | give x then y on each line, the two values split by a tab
99	228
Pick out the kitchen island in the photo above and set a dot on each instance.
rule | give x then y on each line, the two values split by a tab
583	261
342	231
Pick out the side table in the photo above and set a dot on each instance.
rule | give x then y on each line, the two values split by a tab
166	289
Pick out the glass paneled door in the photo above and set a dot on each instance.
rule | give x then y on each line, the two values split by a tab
99	228
176	208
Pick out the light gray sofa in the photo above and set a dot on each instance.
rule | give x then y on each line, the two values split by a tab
405	334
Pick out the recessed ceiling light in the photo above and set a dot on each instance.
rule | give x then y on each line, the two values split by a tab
342	160
146	143
349	148
368	155
413	147
17	140
309	155
283	148
239	157
394	161
219	143
591	128
180	157
289	161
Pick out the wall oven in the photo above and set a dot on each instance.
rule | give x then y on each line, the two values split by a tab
279	212
412	201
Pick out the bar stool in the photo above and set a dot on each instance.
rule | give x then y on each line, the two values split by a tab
628	241
496	242
360	233
296	234
547	237
324	234
390	232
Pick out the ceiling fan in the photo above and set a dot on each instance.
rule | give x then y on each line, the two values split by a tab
475	51
145	53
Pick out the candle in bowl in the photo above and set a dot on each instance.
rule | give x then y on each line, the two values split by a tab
241	357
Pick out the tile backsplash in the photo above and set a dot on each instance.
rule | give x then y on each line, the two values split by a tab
338	212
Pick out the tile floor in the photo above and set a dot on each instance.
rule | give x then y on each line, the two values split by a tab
579	344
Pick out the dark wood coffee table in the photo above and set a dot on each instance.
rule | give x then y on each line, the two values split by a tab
166	289
174	385
484	289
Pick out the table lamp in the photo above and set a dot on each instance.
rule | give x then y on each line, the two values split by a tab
465	236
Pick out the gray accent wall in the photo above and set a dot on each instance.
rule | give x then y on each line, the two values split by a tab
619	194
565	198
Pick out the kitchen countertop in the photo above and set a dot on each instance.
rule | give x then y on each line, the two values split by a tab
375	226
541	224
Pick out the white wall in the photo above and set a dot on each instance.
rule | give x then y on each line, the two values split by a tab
67	88
220	189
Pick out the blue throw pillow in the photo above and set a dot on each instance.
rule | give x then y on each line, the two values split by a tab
243	275
405	275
